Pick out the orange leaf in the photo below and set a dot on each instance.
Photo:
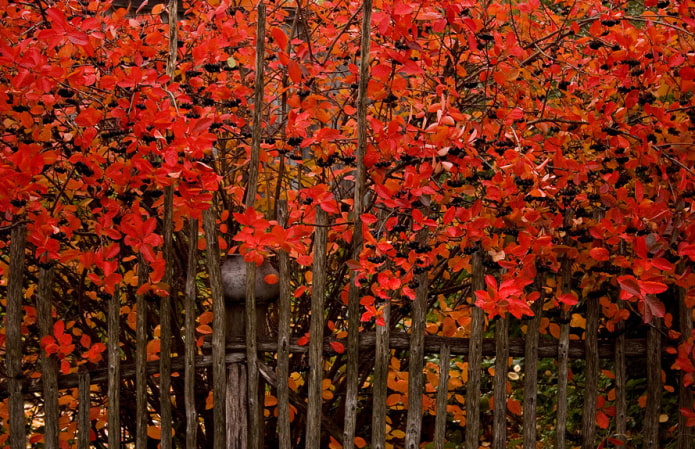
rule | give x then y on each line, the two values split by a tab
294	71
514	406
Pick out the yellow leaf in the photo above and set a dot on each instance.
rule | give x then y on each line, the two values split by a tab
398	434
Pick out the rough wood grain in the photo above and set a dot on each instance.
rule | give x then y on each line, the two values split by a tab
352	368
13	336
650	429
416	383
475	356
113	373
316	326
84	403
283	370
165	313
499	419
442	397
591	372
255	408
382	354
219	374
49	366
531	369
189	336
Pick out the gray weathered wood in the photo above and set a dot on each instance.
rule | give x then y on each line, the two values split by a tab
475	355
189	336
442	397
316	325
499	424
49	366
563	345
382	355
141	358
352	369
114	370
219	374
531	368
13	336
416	361
283	368
650	430
165	313
591	372
255	410
84	404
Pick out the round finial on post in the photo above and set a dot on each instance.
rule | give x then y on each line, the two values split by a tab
234	284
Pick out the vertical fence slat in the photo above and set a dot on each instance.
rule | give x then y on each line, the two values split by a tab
590	372
84	403
168	250
49	367
141	359
114	358
165	318
686	435
654	386
417	356
255	408
499	423
475	356
531	368
381	368
563	344
283	369
219	375
352	369
189	337
318	291
442	397
13	342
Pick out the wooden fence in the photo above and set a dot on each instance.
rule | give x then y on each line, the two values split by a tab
490	348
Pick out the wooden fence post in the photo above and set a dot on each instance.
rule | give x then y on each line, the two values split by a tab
13	343
475	355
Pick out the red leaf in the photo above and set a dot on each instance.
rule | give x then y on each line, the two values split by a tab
568	298
600	254
602	420
280	37
629	285
337	347
648	287
295	71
